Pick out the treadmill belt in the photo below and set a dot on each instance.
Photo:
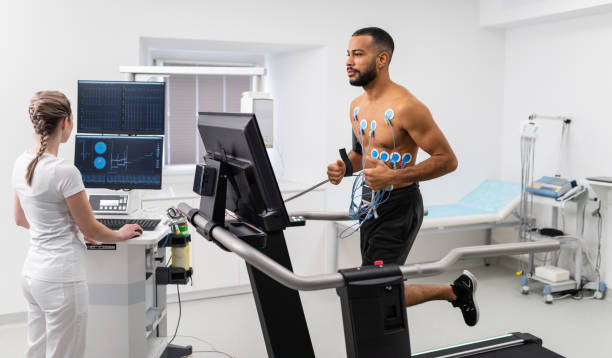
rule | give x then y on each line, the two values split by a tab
530	350
514	345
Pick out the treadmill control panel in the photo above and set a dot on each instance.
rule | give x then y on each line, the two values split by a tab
295	220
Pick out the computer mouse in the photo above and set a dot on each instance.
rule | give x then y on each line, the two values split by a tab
138	231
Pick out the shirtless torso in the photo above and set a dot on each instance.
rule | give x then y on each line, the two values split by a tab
390	139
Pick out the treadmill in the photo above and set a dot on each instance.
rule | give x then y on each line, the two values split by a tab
380	341
237	176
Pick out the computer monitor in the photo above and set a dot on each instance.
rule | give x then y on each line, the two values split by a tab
118	107
252	190
120	162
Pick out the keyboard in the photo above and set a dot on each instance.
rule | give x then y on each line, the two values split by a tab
115	224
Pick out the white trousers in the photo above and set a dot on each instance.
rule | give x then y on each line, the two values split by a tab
57	318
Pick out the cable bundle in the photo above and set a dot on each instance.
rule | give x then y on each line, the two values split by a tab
365	201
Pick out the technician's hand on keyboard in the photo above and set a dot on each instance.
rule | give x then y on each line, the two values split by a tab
129	231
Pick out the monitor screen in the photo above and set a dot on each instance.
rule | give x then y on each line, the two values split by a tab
121	107
115	162
252	189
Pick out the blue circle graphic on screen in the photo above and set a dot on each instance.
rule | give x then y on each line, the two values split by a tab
100	147
99	163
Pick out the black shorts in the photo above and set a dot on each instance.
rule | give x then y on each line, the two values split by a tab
390	236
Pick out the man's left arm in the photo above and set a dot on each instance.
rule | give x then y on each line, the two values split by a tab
421	127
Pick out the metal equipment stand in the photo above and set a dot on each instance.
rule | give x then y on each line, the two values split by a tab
551	287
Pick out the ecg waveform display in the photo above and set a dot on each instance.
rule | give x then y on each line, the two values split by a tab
121	107
115	162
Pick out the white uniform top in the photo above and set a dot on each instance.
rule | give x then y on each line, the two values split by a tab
57	250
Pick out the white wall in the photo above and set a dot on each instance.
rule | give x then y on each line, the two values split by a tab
299	103
504	13
561	68
442	55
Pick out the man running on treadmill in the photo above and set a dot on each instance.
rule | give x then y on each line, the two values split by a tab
389	234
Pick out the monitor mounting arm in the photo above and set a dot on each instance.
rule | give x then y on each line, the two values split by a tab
210	183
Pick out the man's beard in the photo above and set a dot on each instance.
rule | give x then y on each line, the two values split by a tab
365	77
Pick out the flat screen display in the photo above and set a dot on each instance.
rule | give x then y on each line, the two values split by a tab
121	107
120	162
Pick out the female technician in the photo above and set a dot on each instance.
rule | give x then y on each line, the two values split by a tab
50	201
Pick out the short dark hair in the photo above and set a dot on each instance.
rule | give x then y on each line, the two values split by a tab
380	38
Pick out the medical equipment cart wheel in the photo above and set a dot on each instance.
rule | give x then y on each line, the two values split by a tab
548	297
601	292
524	285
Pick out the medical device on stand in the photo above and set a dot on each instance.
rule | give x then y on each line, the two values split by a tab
554	192
119	152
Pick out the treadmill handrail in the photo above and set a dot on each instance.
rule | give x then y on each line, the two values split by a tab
329	215
322	215
334	280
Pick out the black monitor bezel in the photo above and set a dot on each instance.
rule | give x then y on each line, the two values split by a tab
122	186
263	168
89	131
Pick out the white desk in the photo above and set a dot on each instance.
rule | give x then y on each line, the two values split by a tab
126	306
604	193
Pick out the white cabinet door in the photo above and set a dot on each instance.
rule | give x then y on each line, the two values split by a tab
213	267
310	246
